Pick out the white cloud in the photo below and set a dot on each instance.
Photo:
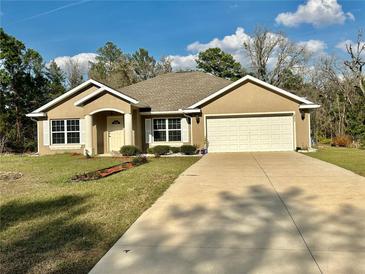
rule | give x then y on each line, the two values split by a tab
179	62
229	43
314	46
342	46
315	12
232	44
82	59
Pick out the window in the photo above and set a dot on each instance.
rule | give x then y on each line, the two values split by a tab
65	131
159	130
167	130
174	129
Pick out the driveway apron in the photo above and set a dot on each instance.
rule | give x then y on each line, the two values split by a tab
277	212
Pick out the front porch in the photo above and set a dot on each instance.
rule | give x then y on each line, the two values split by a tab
107	130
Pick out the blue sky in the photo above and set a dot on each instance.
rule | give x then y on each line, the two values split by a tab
167	28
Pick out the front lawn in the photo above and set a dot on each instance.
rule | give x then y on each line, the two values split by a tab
350	158
50	225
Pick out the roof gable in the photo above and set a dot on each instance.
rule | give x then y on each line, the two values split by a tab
65	96
255	81
102	90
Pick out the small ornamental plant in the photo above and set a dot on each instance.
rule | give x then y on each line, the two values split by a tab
175	149
129	150
139	160
161	150
188	149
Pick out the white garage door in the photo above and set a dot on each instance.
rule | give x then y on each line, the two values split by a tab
235	134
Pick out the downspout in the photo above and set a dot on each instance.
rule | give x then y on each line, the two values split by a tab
34	120
191	127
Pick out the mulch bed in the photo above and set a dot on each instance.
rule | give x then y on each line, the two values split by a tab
102	173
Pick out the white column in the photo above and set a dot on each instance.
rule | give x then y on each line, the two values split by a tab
88	135
128	134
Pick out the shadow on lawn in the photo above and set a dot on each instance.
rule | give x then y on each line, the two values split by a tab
244	233
51	233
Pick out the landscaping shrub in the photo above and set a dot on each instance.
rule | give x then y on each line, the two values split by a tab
129	150
29	145
150	150
175	149
188	149
161	150
342	141
324	140
139	160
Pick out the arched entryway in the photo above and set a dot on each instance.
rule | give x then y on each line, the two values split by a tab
107	130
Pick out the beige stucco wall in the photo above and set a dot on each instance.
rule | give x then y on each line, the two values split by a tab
67	110
252	98
44	150
137	128
107	100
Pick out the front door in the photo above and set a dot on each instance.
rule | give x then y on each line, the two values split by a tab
115	133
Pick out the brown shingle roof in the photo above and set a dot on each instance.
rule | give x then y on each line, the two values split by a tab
174	91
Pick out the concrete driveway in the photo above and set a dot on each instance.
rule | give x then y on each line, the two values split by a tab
249	213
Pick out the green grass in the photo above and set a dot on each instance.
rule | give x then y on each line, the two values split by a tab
50	225
350	158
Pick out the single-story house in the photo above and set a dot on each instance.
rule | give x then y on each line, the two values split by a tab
175	108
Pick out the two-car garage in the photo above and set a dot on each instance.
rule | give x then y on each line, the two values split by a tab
250	133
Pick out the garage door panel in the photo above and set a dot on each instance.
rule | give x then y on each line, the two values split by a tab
234	134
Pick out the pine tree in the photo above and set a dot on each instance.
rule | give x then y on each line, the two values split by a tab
56	80
23	88
219	63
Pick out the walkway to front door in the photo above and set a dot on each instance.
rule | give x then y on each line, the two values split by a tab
249	213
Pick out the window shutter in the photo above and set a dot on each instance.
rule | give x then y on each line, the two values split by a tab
184	130
148	131
46	130
82	131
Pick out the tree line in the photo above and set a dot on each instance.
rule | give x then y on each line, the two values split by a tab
27	82
336	84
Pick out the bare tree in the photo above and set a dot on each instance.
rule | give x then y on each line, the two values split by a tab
336	92
259	49
73	74
164	65
272	55
357	62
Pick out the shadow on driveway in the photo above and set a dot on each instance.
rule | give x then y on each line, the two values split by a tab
241	233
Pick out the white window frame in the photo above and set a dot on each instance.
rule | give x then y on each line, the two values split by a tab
166	129
65	132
